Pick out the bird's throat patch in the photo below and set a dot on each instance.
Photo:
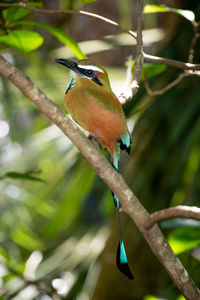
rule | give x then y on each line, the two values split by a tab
71	85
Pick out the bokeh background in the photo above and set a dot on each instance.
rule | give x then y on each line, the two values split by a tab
58	234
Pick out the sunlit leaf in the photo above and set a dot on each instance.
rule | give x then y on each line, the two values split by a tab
181	298
83	2
152	8
23	40
26	176
151	297
61	36
184	239
149	70
13	14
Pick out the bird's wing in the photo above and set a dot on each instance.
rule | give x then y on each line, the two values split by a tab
107	100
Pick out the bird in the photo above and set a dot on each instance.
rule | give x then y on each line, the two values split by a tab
92	104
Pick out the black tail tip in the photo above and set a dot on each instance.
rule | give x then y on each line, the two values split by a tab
123	267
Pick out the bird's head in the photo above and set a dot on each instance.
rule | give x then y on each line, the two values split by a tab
86	68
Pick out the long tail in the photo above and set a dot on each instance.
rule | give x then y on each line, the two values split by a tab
121	258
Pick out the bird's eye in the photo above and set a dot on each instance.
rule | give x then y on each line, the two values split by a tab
89	72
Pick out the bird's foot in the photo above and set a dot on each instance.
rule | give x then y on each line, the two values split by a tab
93	137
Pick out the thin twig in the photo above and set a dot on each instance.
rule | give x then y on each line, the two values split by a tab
130	204
171	62
193	43
182	75
139	49
182	211
71	12
166	88
152	93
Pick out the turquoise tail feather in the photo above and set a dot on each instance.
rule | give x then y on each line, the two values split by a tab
121	258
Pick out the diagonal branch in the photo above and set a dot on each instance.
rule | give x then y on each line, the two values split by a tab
182	211
152	93
130	204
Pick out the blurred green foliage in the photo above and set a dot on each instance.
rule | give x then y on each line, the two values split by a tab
55	213
151	8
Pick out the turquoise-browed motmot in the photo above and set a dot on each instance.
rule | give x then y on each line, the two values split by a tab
93	105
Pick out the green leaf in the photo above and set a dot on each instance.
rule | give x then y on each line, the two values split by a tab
13	14
83	2
184	239
26	238
152	8
23	40
26	176
149	70
35	4
180	222
150	297
61	36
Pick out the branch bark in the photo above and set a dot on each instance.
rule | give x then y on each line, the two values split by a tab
182	211
152	93
171	62
130	204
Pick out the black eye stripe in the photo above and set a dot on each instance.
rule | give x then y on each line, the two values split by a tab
86	72
89	72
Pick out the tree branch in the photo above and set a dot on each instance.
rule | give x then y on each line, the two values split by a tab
166	88
182	211
182	75
170	85
171	62
130	204
193	43
131	90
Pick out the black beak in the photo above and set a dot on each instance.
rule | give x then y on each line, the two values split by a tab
67	63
